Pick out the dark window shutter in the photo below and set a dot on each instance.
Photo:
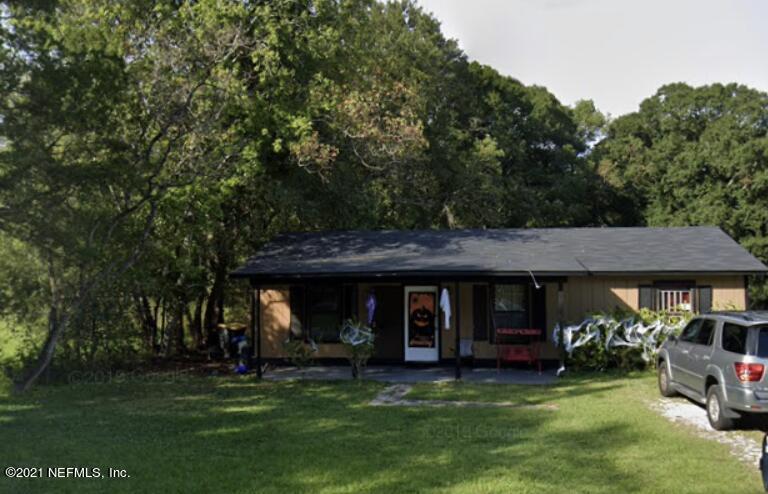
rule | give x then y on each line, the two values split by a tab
480	312
296	299
647	297
349	302
539	310
704	299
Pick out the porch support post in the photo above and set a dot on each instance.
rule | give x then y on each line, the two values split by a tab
256	326
561	320
457	330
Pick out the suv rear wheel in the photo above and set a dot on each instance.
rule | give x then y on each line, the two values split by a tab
664	382
716	410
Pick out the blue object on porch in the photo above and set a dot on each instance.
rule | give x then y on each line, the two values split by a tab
241	368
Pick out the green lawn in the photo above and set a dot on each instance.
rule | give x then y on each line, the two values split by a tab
237	436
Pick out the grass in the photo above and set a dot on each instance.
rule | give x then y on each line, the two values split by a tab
200	434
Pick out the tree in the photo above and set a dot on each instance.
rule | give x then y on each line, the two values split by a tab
107	108
695	156
151	146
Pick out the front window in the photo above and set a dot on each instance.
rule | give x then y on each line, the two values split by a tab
324	304
675	297
510	306
675	301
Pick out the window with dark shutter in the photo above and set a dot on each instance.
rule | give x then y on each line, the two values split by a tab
511	307
480	312
675	297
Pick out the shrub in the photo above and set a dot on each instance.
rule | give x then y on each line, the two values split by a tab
299	351
358	340
619	339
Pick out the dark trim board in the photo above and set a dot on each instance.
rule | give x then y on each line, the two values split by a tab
429	277
379	275
411	277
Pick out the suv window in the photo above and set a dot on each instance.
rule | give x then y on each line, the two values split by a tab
690	331
706	332
762	342
735	338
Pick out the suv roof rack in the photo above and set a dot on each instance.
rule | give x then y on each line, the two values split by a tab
744	315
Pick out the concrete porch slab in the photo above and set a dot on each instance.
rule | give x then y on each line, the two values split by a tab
403	374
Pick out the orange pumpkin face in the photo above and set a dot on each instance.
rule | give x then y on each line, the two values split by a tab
422	309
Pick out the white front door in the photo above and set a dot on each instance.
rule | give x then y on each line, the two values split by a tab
421	324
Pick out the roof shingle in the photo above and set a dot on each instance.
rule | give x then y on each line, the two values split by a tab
565	251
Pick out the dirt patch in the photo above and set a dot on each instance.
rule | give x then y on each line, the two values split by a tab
395	396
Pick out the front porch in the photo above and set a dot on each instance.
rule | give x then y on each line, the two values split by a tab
405	374
427	321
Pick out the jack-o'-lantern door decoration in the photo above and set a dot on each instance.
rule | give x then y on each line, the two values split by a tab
421	319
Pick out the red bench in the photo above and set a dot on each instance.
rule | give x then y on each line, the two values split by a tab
518	345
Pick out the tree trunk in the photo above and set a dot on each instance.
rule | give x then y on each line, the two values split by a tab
163	333
214	304
155	328
220	308
55	328
148	319
93	339
196	323
178	335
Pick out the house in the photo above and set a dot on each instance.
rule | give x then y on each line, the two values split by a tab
307	284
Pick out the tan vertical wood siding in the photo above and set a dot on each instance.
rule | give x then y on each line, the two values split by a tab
583	295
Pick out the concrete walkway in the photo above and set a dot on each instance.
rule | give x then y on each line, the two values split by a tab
395	396
403	374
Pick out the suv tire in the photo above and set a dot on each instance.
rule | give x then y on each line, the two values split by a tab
665	387
716	409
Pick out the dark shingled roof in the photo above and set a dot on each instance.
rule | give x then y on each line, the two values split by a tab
553	251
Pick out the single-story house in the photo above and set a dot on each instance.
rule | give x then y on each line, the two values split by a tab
438	295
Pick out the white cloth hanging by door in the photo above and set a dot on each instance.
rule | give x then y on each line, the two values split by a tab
445	305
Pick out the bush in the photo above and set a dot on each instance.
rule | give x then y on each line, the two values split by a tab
619	339
358	340
299	352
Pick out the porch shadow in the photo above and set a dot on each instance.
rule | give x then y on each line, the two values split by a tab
402	374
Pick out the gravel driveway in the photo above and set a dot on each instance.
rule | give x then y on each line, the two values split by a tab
682	411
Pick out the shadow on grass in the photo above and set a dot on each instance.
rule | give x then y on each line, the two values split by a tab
203	435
